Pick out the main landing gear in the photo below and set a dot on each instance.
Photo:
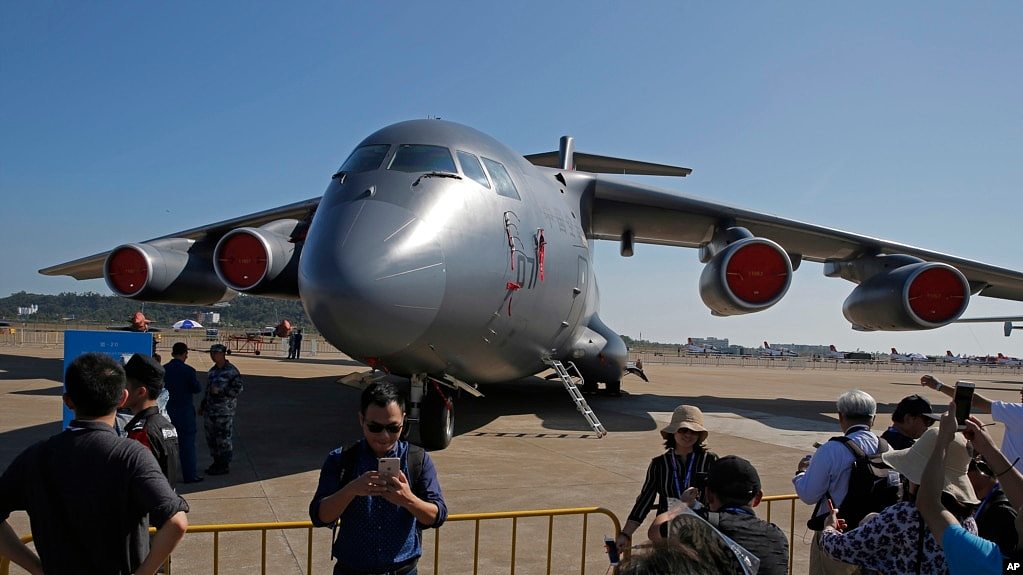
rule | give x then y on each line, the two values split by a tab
434	412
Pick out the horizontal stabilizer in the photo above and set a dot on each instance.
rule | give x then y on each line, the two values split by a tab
608	165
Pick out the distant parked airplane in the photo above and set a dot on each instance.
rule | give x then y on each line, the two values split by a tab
692	347
907	357
1009	361
769	351
957	359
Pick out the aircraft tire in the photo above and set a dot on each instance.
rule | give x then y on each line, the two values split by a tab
436	422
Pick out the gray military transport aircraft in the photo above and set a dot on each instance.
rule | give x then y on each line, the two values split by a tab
439	254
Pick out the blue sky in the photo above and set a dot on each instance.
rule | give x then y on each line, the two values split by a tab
122	121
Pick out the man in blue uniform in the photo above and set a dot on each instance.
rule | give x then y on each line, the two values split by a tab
381	516
182	383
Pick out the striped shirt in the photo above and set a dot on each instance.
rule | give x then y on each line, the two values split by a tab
668	476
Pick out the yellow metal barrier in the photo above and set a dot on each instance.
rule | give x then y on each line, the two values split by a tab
477	518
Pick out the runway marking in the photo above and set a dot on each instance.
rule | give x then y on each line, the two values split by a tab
780	430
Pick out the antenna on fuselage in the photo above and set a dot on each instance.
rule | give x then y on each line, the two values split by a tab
566	153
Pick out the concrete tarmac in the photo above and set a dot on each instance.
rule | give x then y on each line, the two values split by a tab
523	446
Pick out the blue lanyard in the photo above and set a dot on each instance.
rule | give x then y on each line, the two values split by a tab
689	471
983	504
739	510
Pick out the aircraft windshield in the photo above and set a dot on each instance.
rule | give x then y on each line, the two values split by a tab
365	159
502	181
418	158
472	168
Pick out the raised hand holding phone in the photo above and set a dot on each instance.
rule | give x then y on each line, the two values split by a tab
963	401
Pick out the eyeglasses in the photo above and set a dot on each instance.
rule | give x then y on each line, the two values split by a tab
685	431
374	427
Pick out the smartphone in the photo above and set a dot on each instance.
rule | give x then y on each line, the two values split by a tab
963	399
389	466
612	550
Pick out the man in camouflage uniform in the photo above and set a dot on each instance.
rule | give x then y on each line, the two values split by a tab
223	384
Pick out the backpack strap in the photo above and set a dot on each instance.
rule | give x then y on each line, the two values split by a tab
349	462
851	446
349	467
415	458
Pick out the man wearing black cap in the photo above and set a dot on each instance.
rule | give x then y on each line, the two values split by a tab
911	419
148	427
182	383
733	490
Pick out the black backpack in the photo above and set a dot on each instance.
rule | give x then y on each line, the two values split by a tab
872	487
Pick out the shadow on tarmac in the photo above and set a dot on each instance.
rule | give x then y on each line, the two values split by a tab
287	425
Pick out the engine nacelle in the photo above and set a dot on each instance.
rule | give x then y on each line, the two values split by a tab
922	295
748	275
166	271
260	261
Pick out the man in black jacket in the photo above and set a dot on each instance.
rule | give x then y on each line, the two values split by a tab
148	426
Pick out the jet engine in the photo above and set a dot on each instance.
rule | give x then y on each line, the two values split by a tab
172	270
920	295
750	274
260	261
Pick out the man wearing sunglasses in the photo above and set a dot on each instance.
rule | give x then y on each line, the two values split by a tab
378	518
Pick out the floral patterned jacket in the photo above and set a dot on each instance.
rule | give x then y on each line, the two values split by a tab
890	543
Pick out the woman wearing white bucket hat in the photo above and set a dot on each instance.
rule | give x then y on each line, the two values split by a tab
896	540
683	465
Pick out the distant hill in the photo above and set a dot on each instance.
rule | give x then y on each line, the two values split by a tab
242	311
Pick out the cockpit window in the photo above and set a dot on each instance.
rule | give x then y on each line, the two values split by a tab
502	181
365	159
419	158
472	168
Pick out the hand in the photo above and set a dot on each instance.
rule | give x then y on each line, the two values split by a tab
948	426
834	522
804	463
623	542
367	484
690	496
930	381
979	436
397	490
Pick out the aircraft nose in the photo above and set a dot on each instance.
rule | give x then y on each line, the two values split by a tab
372	277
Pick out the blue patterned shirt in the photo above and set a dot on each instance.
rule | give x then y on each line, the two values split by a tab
373	533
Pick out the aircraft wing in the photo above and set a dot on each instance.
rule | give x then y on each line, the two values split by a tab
665	217
91	267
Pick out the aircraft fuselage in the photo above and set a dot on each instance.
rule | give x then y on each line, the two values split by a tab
417	261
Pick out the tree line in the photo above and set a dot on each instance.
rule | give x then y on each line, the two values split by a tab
90	307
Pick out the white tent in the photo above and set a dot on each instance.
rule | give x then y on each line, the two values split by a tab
186	324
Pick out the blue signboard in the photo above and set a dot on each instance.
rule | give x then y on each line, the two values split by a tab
118	344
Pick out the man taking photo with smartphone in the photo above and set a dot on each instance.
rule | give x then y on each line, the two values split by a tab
1008	413
378	518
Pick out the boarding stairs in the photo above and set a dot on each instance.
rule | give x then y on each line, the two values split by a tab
572	383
